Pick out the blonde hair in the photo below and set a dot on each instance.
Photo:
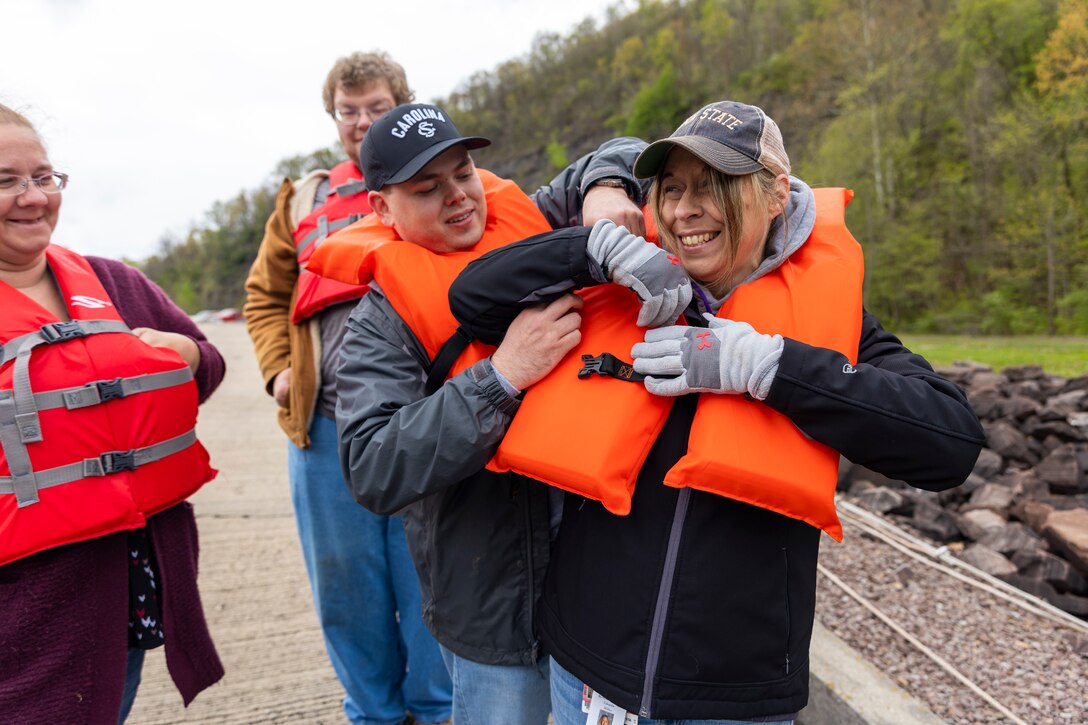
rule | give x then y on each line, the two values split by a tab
357	71
14	118
728	192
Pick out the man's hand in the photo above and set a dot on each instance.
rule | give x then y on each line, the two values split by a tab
656	276
181	344
281	384
727	357
537	340
610	202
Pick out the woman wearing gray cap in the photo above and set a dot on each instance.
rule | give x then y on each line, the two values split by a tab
708	549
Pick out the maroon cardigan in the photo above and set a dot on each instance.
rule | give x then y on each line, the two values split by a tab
64	622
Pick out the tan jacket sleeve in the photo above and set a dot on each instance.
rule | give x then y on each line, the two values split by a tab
270	290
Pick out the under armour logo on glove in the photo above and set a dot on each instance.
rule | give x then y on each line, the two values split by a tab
744	361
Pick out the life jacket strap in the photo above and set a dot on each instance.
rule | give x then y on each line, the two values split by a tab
100	391
350	188
26	413
324	229
445	358
609	365
59	332
103	465
19	425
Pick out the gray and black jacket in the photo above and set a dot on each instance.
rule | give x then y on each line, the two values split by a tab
479	539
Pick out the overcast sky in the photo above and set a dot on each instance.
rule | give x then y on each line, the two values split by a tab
159	109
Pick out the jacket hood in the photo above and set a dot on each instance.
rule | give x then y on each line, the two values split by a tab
788	232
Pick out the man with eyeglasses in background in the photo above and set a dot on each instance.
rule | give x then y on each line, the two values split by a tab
364	584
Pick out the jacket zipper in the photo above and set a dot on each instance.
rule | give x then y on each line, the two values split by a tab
789	620
534	647
661	608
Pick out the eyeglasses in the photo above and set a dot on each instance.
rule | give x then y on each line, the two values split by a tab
350	116
52	183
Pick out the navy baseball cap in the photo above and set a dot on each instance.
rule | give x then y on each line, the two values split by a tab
406	139
732	137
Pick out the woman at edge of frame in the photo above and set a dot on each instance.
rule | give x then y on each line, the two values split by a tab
78	620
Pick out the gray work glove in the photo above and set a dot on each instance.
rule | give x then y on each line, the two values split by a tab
727	357
656	276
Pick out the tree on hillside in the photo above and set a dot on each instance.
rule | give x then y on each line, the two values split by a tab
1042	146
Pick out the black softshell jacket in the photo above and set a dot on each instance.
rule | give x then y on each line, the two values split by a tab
695	605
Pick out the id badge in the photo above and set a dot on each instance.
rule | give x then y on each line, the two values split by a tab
602	711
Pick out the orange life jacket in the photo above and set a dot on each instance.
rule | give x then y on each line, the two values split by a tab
579	457
591	436
759	456
97	427
416	281
346	204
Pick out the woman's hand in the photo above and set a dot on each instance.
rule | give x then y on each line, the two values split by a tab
537	340
181	344
727	357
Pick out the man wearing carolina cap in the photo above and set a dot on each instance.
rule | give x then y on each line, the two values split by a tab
480	540
421	141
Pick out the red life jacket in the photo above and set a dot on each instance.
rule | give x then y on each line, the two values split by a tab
97	427
346	203
591	436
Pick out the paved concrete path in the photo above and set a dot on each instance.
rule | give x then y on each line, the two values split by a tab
256	596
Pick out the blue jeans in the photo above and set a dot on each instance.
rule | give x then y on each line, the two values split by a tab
567	704
366	593
490	694
134	667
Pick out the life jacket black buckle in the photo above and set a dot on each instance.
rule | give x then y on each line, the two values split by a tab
109	389
117	461
610	366
590	365
60	331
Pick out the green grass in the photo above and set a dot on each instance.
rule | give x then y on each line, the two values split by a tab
1065	356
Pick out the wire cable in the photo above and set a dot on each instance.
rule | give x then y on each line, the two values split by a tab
940	558
921	647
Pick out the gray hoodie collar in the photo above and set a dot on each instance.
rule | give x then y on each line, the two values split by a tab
788	232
